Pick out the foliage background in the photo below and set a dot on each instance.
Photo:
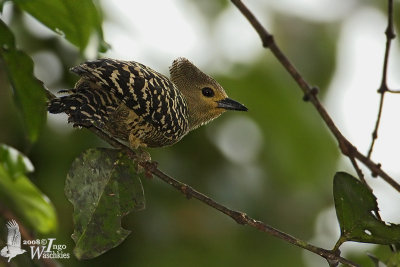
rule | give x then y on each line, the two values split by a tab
276	162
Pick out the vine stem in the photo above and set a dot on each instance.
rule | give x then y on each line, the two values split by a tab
310	94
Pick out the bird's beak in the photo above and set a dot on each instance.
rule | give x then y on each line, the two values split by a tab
230	104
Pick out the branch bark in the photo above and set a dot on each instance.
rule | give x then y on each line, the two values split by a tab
240	217
332	256
390	35
310	94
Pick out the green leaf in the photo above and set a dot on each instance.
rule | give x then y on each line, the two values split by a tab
355	208
103	186
20	195
375	260
28	91
72	19
2	5
394	260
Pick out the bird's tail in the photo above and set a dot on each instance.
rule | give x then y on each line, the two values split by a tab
85	106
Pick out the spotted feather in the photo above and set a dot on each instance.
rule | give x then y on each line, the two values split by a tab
139	88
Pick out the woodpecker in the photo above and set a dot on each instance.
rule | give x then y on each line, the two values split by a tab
138	105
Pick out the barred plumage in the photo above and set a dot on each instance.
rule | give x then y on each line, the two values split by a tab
137	104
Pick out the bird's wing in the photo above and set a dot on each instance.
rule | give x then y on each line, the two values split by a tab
14	236
148	93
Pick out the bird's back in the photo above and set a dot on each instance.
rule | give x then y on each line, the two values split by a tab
129	100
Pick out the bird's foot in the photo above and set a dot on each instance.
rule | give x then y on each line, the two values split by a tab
143	155
142	159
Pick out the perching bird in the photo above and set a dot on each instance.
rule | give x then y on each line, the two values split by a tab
134	103
13	247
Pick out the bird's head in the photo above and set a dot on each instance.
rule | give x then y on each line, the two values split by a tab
205	97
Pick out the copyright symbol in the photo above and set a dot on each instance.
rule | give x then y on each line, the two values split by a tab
43	241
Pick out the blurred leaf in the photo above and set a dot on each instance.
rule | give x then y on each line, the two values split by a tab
290	126
377	262
28	91
20	195
394	260
355	206
103	186
2	5
211	9
74	20
295	34
15	163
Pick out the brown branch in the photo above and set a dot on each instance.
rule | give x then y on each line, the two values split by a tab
359	172
390	35
310	94
377	123
332	256
240	217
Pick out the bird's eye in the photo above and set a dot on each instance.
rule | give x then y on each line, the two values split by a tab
207	92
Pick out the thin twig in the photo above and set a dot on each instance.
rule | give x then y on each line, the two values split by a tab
359	171
390	35
239	217
189	192
377	123
310	94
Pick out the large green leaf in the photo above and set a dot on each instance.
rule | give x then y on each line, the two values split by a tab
76	20
28	91
355	208
20	195
103	186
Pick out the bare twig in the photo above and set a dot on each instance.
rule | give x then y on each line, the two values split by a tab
359	171
390	35
310	94
240	217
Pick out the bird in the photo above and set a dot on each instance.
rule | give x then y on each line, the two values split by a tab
13	247
140	106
